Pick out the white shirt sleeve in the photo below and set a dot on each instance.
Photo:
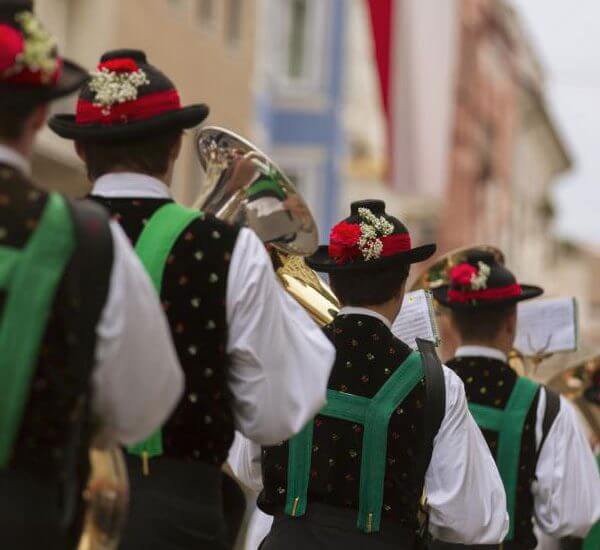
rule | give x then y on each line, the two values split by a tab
281	359
137	380
464	490
567	490
244	460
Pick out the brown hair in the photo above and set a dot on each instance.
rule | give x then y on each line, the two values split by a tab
144	155
13	118
364	288
481	324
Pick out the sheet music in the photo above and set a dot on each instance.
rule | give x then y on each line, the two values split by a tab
547	326
416	319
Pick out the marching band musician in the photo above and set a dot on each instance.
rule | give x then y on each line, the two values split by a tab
396	421
83	340
545	461
253	358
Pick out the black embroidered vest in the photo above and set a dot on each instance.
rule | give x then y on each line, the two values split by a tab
54	401
490	382
193	297
367	354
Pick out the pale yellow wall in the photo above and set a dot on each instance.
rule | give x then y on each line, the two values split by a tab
198	58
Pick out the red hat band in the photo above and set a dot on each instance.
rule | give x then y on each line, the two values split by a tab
469	283
345	243
122	110
486	294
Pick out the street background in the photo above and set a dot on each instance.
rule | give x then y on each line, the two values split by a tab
474	119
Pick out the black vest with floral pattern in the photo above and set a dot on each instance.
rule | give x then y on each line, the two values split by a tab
54	401
193	297
490	382
367	354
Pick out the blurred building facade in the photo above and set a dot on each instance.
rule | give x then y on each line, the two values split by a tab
270	70
206	46
298	93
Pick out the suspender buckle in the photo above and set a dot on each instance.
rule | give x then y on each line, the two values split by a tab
145	464
295	507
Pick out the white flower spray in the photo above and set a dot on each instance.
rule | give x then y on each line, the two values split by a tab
39	52
371	229
111	88
479	281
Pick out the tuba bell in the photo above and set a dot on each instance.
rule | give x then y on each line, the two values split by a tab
244	186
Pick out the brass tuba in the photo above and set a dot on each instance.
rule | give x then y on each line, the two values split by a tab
244	186
578	382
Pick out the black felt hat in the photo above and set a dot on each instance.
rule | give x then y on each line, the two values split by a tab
127	97
481	282
369	239
22	81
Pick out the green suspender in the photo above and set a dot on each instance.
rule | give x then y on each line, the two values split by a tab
153	248
509	423
374	414
30	278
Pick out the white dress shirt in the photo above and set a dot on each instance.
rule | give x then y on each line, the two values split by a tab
280	359
567	487
137	379
464	490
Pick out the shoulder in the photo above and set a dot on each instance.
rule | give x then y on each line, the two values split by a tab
208	225
206	240
455	390
9	174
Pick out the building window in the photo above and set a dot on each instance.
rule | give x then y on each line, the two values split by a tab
297	39
233	27
301	51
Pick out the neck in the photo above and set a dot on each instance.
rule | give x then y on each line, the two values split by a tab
163	178
495	344
389	310
21	146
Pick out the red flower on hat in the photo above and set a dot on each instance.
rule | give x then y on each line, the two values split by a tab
343	242
462	274
12	44
119	65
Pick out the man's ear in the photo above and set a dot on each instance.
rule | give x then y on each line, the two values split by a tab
176	150
80	151
511	323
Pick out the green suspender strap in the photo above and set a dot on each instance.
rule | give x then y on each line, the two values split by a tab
509	424
374	414
30	278
153	248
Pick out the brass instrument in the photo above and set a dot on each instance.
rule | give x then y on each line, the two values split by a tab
106	498
574	382
244	186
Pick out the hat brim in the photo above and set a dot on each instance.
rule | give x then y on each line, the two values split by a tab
527	293
71	79
181	119
322	262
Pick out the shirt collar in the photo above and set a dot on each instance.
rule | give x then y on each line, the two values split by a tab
353	310
130	184
481	351
13	158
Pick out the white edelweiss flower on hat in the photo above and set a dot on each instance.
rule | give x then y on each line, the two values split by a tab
479	281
